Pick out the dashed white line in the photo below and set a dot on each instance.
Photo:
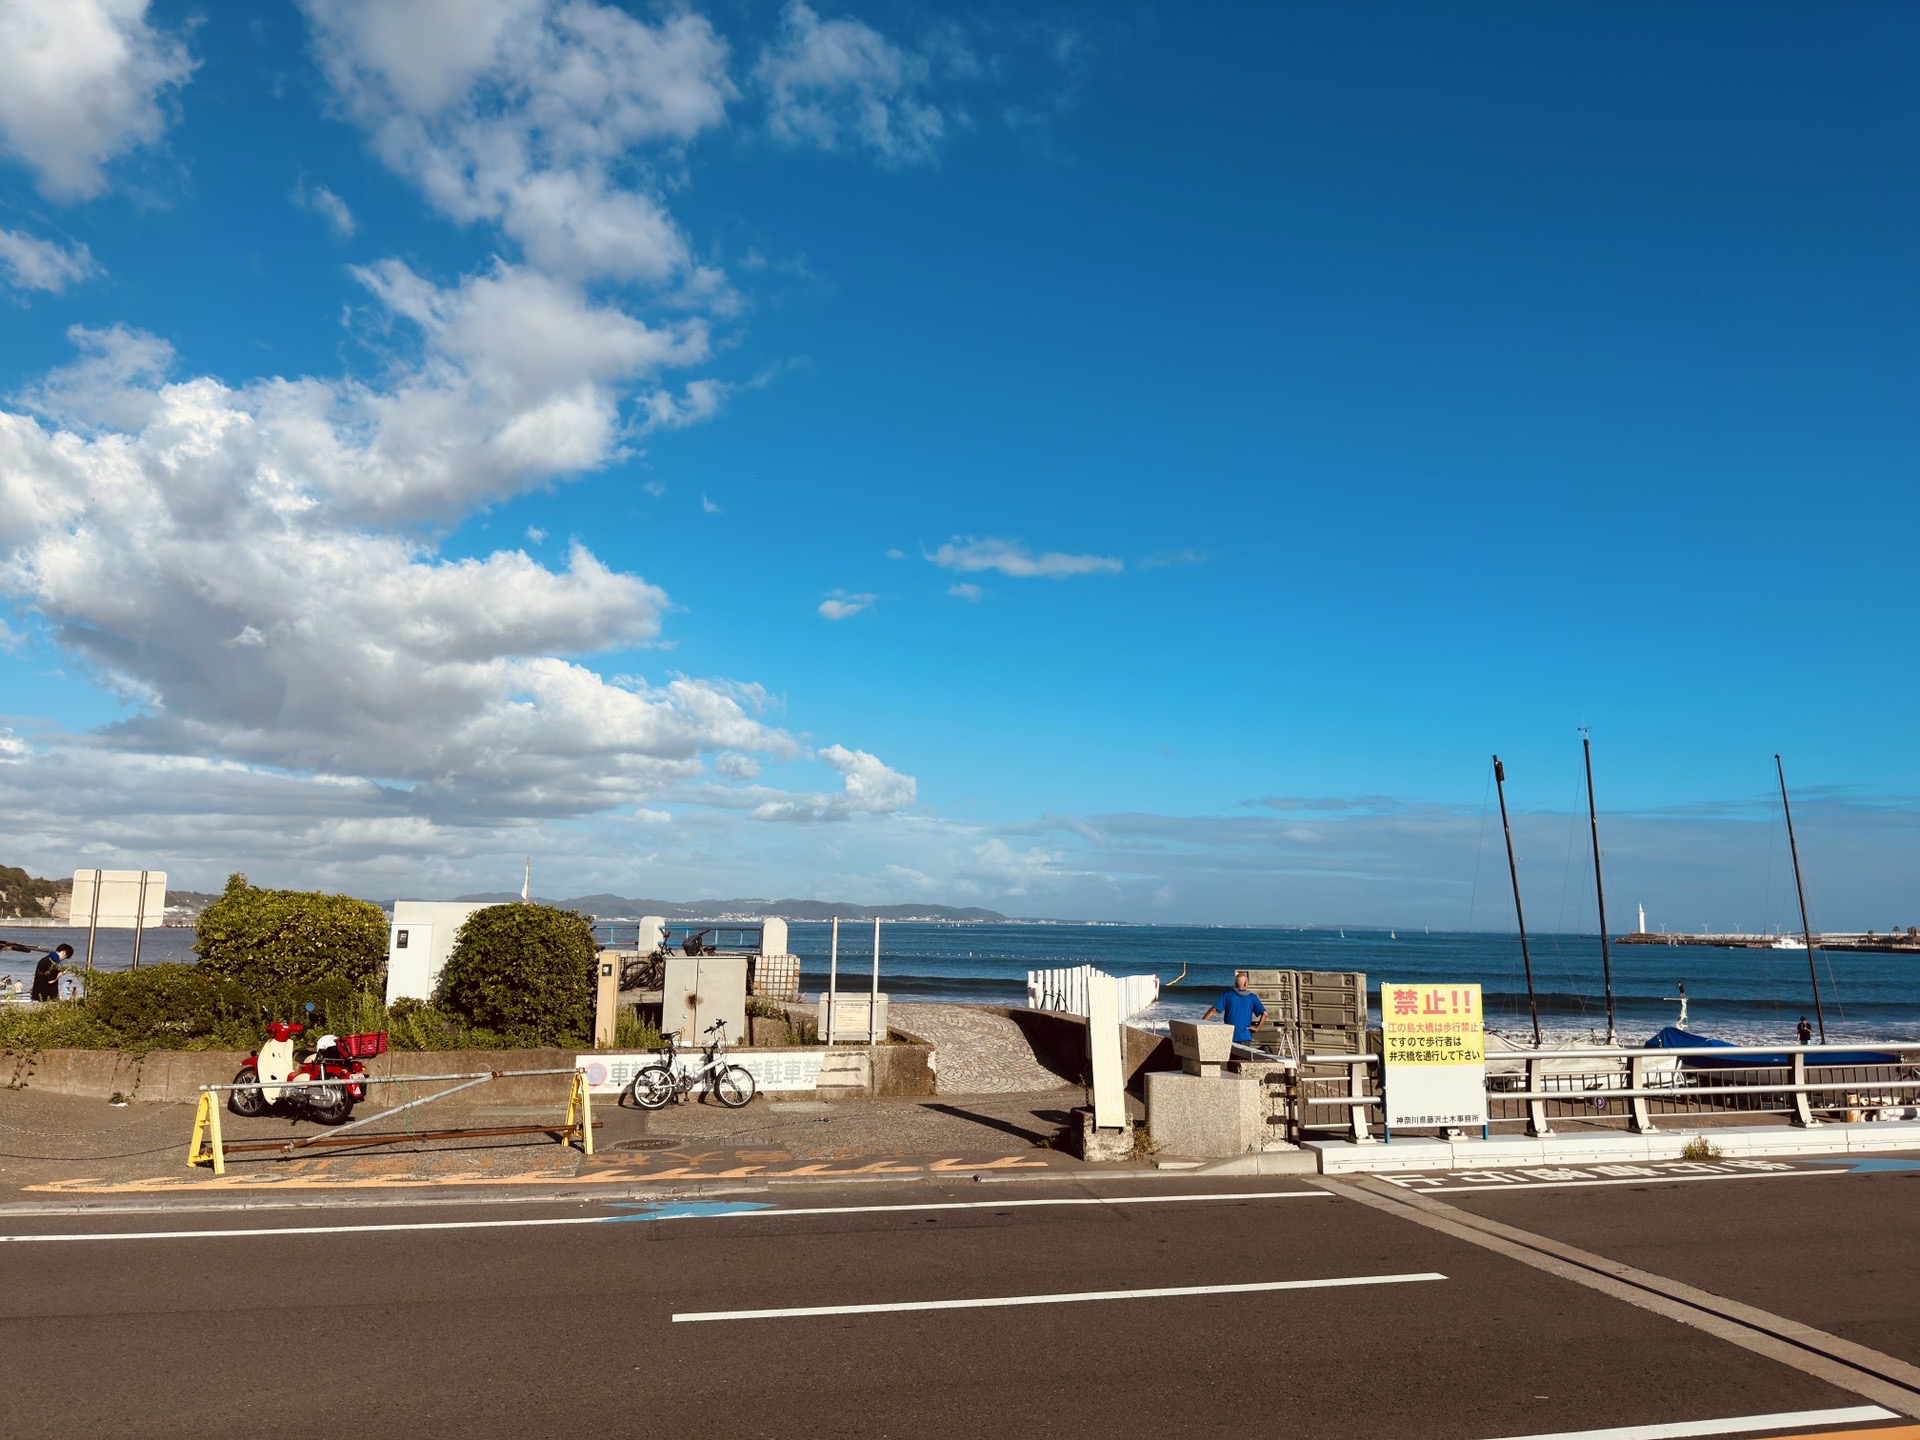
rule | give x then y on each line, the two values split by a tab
745	1211
1737	1425
1070	1298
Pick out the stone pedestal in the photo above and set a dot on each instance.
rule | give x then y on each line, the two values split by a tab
1203	1117
1203	1048
1102	1142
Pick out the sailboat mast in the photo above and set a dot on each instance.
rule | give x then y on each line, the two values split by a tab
1533	1004
1806	930
1599	890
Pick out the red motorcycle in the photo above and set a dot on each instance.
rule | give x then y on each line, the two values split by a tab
325	1084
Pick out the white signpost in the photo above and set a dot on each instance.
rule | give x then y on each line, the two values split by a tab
1434	1055
133	900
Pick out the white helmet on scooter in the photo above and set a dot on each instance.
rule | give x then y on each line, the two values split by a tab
326	1041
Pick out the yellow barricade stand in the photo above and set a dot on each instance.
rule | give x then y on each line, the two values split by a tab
206	1126
579	1101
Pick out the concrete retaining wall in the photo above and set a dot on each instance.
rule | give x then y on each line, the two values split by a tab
1059	1042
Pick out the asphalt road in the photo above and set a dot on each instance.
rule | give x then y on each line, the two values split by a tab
1843	1256
530	1328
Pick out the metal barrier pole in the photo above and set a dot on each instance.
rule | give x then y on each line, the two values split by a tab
1538	1126
369	1119
1639	1118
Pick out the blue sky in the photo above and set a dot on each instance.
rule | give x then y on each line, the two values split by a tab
1126	462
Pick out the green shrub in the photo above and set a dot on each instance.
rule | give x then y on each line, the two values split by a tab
525	971
68	1025
274	938
630	1032
170	1007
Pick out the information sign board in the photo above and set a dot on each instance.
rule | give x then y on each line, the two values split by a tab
1434	1054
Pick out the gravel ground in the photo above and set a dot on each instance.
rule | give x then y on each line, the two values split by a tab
977	1052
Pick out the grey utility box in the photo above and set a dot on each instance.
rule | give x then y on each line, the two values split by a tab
701	989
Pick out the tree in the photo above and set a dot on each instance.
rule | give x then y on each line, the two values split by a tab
525	971
279	937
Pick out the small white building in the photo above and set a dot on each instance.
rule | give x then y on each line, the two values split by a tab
419	942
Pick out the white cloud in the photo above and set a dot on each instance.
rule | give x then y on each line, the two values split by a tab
698	400
737	767
536	536
707	507
965	590
523	113
81	81
867	787
839	605
209	552
840	84
896	554
1010	557
32	264
328	206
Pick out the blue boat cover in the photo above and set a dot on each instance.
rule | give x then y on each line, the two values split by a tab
1673	1037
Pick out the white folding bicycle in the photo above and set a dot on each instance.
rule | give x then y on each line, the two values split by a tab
655	1085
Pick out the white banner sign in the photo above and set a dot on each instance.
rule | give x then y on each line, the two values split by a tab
1434	1055
771	1070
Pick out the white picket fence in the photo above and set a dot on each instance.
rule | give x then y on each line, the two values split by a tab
1066	990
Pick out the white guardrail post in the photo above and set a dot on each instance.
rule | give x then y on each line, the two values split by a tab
1538	1126
1639	1118
1802	1111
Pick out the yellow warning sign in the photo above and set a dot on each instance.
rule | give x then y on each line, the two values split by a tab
1434	1054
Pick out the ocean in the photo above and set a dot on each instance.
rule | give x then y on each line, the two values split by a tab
1753	996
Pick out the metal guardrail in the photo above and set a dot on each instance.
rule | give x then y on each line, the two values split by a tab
208	1144
1652	1076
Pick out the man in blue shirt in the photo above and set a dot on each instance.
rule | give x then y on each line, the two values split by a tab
1240	1008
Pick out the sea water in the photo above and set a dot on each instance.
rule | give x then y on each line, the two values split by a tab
1754	996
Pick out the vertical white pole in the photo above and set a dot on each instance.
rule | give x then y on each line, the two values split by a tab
873	1002
139	919
93	920
833	978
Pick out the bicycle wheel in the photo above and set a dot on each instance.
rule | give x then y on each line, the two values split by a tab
652	1087
733	1086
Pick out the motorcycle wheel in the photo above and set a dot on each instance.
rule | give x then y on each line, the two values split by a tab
652	1087
329	1104
246	1102
734	1086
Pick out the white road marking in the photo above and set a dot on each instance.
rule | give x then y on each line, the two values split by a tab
991	1302
1407	1182
1738	1425
770	1213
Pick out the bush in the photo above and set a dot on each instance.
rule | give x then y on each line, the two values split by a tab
170	1007
525	971
273	938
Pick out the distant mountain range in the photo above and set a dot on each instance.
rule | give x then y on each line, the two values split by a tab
604	905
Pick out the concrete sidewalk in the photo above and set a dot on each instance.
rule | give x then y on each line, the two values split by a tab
60	1146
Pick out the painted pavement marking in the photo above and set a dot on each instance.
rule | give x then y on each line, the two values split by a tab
1746	1425
1072	1298
704	1167
668	1210
1561	1177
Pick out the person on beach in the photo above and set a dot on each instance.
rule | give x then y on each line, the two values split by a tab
1804	1031
1240	1008
46	975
